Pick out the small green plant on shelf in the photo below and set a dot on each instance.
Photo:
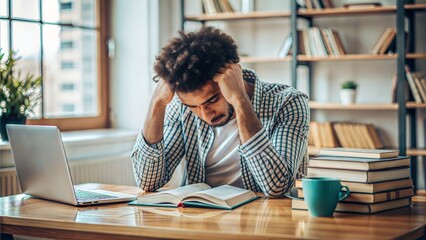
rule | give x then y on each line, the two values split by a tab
349	85
348	92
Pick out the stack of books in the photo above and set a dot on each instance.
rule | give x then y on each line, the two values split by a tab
344	134
378	180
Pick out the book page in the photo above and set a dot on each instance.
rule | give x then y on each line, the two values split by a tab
223	196
174	196
184	191
224	192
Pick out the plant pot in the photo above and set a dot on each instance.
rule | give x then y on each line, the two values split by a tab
9	120
347	96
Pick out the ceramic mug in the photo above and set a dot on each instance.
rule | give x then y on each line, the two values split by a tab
322	194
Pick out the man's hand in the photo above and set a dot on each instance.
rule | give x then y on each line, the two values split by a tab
163	93
154	122
231	83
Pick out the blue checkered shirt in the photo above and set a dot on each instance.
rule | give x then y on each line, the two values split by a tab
269	160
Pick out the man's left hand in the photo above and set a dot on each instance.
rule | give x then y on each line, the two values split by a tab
231	83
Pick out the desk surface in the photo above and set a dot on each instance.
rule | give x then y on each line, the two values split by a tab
261	219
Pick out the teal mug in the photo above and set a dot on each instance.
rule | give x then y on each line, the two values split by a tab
322	194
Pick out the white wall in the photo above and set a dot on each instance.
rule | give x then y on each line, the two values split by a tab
135	31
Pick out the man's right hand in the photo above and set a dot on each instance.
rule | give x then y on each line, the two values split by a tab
163	93
154	122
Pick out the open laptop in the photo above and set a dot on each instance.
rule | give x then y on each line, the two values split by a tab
43	171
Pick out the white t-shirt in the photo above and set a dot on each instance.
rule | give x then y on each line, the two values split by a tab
223	161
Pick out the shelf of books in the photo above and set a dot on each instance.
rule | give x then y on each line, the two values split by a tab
264	59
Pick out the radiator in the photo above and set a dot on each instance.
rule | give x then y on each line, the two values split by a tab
8	182
112	170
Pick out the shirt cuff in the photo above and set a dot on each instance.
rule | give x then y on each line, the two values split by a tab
255	144
148	148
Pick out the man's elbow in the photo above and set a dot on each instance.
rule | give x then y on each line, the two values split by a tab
148	186
277	192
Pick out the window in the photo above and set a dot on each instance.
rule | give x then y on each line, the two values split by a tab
67	45
66	6
68	108
63	47
67	86
67	65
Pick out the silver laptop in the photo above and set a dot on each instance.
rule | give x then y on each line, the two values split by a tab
43	171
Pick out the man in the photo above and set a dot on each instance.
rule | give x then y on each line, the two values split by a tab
230	127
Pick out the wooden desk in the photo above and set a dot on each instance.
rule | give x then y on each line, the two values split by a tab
261	219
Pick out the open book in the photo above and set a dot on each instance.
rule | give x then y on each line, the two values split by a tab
183	212
198	195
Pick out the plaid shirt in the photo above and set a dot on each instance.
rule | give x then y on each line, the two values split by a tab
269	160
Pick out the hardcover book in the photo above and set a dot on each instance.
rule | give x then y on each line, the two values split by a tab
363	164
299	204
372	187
361	176
356	152
199	195
373	197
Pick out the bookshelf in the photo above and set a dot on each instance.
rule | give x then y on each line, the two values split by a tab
404	12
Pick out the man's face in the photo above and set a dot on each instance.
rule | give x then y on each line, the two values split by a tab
208	104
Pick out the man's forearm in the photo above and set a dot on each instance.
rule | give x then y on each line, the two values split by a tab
248	123
154	123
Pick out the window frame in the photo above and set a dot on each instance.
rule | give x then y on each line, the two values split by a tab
102	120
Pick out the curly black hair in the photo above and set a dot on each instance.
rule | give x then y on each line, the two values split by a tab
189	61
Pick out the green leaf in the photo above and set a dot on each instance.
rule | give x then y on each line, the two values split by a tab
18	94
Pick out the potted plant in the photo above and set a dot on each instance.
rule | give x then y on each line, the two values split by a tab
19	95
348	92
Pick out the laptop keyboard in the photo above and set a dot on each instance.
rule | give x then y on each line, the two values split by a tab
89	196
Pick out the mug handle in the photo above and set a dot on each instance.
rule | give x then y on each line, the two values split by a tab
346	194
